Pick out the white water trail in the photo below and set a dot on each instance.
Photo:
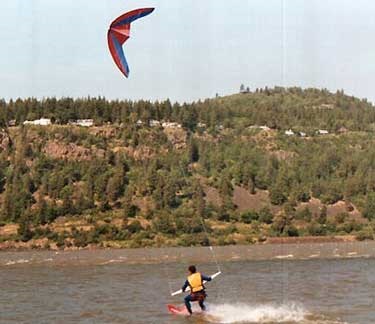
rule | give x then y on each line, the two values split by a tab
244	313
263	313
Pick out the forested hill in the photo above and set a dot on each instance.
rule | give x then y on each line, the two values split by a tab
257	165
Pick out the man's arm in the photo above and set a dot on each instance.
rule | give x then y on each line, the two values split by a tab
186	284
205	278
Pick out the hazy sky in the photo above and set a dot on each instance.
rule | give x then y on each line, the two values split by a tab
186	49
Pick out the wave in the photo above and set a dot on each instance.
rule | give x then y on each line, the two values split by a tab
268	313
120	260
289	256
12	262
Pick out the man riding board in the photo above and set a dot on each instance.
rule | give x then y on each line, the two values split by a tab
197	289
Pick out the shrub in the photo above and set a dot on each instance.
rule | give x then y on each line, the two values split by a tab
366	233
223	216
304	214
164	224
369	211
248	216
24	232
316	229
341	217
134	227
265	216
277	196
291	231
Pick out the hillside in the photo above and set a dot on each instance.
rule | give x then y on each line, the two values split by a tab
256	166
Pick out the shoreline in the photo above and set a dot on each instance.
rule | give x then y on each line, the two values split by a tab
37	245
260	252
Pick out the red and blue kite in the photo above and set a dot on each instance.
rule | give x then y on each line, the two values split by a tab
119	32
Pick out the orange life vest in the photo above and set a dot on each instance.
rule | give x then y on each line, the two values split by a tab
195	282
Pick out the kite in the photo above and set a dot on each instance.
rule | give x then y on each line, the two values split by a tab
118	34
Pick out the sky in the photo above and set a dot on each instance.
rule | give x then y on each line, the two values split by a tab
186	49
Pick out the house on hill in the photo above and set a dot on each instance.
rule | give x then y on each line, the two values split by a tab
85	122
265	128
327	106
322	132
171	125
154	123
289	132
39	122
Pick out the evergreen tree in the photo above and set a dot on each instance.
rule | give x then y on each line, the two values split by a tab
194	151
369	210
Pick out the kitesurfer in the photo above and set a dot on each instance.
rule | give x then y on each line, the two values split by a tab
197	289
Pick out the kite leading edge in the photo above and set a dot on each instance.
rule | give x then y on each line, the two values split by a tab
119	32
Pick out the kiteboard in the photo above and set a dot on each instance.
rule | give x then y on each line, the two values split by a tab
182	311
177	310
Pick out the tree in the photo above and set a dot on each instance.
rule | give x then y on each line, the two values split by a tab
42	210
265	216
323	215
134	227
24	232
67	206
369	210
277	195
249	216
194	151
304	214
280	223
114	187
198	198
225	186
164	224
251	185
169	194
130	210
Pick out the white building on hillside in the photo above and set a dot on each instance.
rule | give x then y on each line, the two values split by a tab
39	122
171	125
82	122
154	123
85	122
265	128
289	132
323	132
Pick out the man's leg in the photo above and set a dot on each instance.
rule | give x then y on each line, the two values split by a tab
187	303
201	304
202	297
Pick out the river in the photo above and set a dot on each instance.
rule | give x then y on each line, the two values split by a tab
284	284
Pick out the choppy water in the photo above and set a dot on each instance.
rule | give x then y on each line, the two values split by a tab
46	287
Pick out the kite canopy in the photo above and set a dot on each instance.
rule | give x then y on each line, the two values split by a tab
119	32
